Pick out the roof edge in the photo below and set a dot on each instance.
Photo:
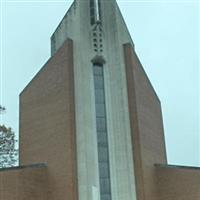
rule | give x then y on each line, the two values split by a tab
129	45
37	165
176	166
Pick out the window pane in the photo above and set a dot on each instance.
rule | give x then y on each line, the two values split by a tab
100	110
102	139
98	70
99	96
106	197
101	124
103	154
98	81
103	170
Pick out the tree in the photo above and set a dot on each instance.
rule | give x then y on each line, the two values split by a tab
2	109
8	151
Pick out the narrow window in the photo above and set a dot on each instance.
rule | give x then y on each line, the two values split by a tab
95	11
99	2
92	12
102	137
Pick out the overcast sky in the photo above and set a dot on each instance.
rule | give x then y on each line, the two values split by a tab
166	36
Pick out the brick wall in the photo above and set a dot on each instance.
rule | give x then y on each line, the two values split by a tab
178	183
146	126
47	123
27	183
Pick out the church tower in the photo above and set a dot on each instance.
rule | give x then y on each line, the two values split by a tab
91	113
91	124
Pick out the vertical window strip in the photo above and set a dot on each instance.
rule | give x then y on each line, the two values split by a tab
99	2
93	10
102	137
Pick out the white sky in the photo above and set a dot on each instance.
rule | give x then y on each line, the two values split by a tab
166	35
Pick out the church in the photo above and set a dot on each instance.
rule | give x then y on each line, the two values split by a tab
91	124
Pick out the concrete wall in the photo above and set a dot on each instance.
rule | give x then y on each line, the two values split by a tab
178	183
146	126
24	183
47	124
114	35
65	29
76	25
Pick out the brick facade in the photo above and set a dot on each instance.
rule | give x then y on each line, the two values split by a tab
24	183
153	183
178	183
47	123
146	126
